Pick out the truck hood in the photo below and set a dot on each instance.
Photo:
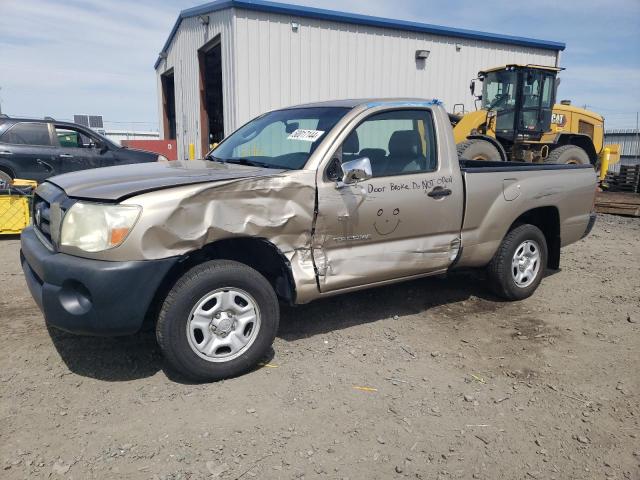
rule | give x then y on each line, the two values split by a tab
118	183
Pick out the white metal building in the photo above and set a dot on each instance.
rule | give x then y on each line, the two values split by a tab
230	60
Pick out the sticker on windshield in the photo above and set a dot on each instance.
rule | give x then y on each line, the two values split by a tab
306	135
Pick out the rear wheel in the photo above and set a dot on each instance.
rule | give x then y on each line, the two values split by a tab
568	154
218	321
478	150
517	268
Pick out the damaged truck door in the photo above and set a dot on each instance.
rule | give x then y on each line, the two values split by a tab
403	221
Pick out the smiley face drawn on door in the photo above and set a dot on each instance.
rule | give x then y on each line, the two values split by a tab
387	222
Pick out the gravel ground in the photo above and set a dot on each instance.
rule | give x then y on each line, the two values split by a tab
432	379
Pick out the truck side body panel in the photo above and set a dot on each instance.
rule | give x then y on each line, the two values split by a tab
495	199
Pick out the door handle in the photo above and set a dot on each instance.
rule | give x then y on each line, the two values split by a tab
439	192
5	152
65	155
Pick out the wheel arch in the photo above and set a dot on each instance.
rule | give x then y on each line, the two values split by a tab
492	141
255	252
578	140
547	219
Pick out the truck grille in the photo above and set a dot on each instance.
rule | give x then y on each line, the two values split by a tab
42	217
49	205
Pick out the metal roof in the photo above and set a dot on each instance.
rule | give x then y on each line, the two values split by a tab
356	19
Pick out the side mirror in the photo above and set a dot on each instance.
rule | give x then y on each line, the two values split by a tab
472	88
356	171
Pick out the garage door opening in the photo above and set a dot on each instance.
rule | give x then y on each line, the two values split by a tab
211	114
168	105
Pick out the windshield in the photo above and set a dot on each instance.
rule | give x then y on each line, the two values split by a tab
281	139
499	90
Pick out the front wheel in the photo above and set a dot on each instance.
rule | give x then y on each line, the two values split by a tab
218	321
518	266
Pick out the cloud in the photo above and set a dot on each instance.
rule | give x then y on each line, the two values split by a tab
60	57
610	90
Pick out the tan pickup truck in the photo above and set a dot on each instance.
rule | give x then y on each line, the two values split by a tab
296	205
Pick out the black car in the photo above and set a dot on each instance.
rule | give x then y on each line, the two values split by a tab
36	149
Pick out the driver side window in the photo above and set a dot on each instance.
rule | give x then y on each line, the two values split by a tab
396	143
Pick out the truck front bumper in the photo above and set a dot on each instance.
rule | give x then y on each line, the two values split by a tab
90	297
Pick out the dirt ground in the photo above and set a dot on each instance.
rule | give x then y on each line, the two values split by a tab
432	379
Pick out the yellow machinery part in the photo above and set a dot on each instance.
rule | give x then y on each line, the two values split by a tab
20	182
468	123
14	214
614	153
565	119
604	163
570	119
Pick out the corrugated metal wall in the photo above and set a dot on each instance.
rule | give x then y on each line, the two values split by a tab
277	66
629	141
182	56
268	65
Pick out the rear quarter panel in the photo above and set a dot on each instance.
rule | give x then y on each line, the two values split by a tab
495	200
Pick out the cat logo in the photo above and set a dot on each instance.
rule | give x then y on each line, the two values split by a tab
559	119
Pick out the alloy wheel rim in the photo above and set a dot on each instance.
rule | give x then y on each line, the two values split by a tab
223	324
525	264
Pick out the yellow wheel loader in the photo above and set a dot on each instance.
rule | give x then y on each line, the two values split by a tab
519	121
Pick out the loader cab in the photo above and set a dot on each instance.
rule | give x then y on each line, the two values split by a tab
519	101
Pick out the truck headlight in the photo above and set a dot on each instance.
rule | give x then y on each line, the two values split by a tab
94	227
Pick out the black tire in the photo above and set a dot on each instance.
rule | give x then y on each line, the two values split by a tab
478	150
568	154
5	177
500	268
171	329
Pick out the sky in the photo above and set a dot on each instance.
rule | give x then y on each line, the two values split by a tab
61	57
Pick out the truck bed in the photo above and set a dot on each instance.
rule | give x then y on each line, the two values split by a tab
498	193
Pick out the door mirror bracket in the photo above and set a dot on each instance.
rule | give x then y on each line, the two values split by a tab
355	171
